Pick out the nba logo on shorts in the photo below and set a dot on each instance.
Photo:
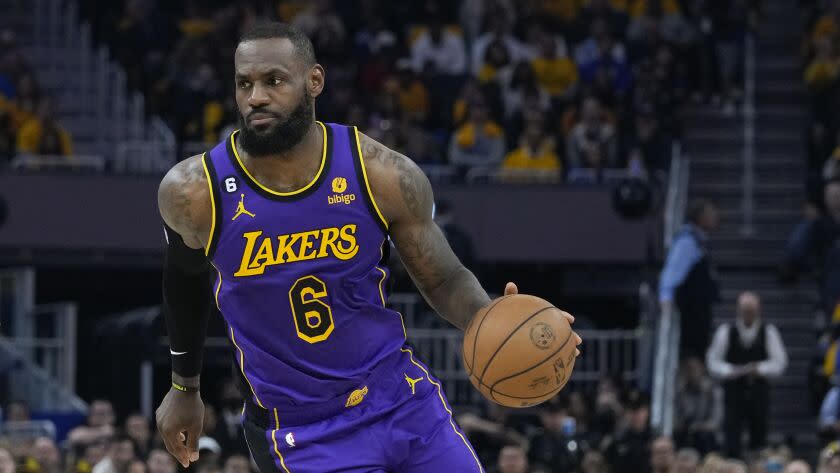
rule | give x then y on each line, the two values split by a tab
290	439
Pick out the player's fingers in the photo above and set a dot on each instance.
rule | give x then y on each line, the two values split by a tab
569	317
176	448
578	340
577	352
510	289
192	443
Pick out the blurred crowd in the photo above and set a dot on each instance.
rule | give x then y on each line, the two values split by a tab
812	245
605	429
28	120
561	89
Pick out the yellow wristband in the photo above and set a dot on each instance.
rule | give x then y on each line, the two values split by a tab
185	389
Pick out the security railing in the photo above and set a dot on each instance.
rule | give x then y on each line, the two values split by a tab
37	346
668	323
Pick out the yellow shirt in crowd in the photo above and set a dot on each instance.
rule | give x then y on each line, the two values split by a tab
30	135
545	159
556	75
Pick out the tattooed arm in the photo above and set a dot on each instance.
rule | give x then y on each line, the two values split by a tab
404	196
184	202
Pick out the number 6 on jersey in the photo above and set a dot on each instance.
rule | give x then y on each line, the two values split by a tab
313	317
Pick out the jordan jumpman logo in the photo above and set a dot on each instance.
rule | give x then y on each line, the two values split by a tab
240	209
412	382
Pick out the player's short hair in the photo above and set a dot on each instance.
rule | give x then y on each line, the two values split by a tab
696	208
276	29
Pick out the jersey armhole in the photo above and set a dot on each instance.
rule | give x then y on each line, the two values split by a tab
361	173
215	200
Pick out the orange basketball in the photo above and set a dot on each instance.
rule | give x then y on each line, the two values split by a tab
519	351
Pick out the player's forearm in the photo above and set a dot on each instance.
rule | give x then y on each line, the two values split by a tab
458	297
186	307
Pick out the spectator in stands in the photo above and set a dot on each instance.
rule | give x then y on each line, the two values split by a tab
478	143
518	86
489	435
160	461
815	239
591	144
120	455
16	411
209	451
324	27
229	432
556	73
829	418
688	280
498	35
687	461
594	462
744	355
797	466
558	444
600	52
413	97
829	461
237	464
536	153
512	459
629	451
137	427
100	424
698	408
42	134
647	144
662	455
439	50
7	461
136	466
46	456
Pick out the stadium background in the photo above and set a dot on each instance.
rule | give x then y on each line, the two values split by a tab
564	139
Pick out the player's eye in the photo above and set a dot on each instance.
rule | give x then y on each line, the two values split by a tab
243	84
275	81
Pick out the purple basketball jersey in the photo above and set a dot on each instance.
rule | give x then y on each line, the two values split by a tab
301	278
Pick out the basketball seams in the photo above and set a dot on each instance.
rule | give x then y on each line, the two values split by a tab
512	333
548	358
477	330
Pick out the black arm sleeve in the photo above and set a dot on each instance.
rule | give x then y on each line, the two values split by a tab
186	303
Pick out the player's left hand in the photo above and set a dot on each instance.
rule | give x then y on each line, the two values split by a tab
511	289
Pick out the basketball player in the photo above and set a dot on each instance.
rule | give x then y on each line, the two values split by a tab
294	217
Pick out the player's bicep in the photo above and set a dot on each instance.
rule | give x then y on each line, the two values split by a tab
181	201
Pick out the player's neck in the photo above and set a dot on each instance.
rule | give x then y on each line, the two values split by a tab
288	169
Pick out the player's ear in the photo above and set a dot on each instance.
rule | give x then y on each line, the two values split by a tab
316	80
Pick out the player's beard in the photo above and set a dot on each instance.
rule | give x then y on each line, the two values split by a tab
279	137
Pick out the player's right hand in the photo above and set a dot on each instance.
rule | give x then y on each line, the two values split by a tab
180	418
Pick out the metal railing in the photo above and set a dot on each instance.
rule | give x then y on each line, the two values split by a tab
748	179
41	162
37	345
666	348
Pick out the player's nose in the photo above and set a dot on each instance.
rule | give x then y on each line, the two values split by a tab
258	97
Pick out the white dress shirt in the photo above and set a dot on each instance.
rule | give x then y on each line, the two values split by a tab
448	57
774	365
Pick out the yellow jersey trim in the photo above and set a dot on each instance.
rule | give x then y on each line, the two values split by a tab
242	368
274	439
367	181
282	194
445	406
382	292
218	286
210	185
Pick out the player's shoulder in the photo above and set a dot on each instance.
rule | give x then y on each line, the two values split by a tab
186	173
184	196
397	182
